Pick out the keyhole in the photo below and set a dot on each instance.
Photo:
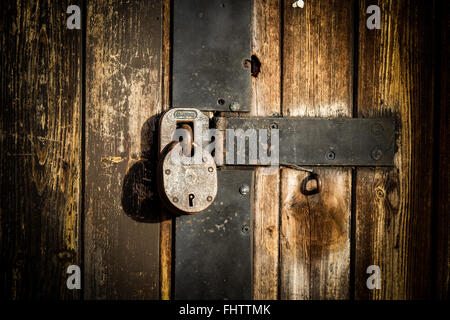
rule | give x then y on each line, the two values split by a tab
191	200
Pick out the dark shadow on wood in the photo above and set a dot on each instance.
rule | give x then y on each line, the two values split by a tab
140	200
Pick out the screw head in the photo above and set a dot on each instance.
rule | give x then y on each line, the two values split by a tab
330	155
210	169
175	199
209	198
167	171
377	154
245	229
235	106
377	129
274	125
244	189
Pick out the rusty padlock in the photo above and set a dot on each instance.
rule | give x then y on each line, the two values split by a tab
187	173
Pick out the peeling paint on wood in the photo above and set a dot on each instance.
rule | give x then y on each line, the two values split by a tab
41	150
123	93
301	243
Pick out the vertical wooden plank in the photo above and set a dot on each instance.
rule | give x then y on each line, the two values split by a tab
317	82
266	101
40	143
123	92
167	217
443	171
393	207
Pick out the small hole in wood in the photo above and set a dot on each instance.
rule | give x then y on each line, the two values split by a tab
255	66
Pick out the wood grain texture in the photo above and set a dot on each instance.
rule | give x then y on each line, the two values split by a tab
442	222
40	143
166	223
123	93
301	244
266	100
317	82
393	207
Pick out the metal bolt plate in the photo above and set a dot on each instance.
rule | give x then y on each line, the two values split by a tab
211	41
213	247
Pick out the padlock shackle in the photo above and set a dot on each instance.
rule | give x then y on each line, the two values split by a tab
188	139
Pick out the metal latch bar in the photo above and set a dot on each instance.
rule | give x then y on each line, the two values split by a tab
314	141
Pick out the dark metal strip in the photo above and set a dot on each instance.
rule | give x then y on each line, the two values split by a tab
320	141
211	41
213	248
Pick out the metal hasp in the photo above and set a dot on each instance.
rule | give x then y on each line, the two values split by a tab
211	41
187	173
213	248
320	141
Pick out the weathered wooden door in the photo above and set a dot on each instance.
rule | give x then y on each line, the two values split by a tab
78	120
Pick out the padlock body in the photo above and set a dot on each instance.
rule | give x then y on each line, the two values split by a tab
187	184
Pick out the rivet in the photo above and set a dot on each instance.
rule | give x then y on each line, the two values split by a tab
210	169
377	154
377	129
244	189
175	199
209	198
235	106
167	171
330	155
245	229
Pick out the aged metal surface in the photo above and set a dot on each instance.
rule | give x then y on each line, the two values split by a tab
321	141
213	248
187	185
177	117
211	41
187	181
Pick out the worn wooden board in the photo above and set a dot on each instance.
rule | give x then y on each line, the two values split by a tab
266	101
167	218
317	82
123	92
40	143
401	214
393	207
442	183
